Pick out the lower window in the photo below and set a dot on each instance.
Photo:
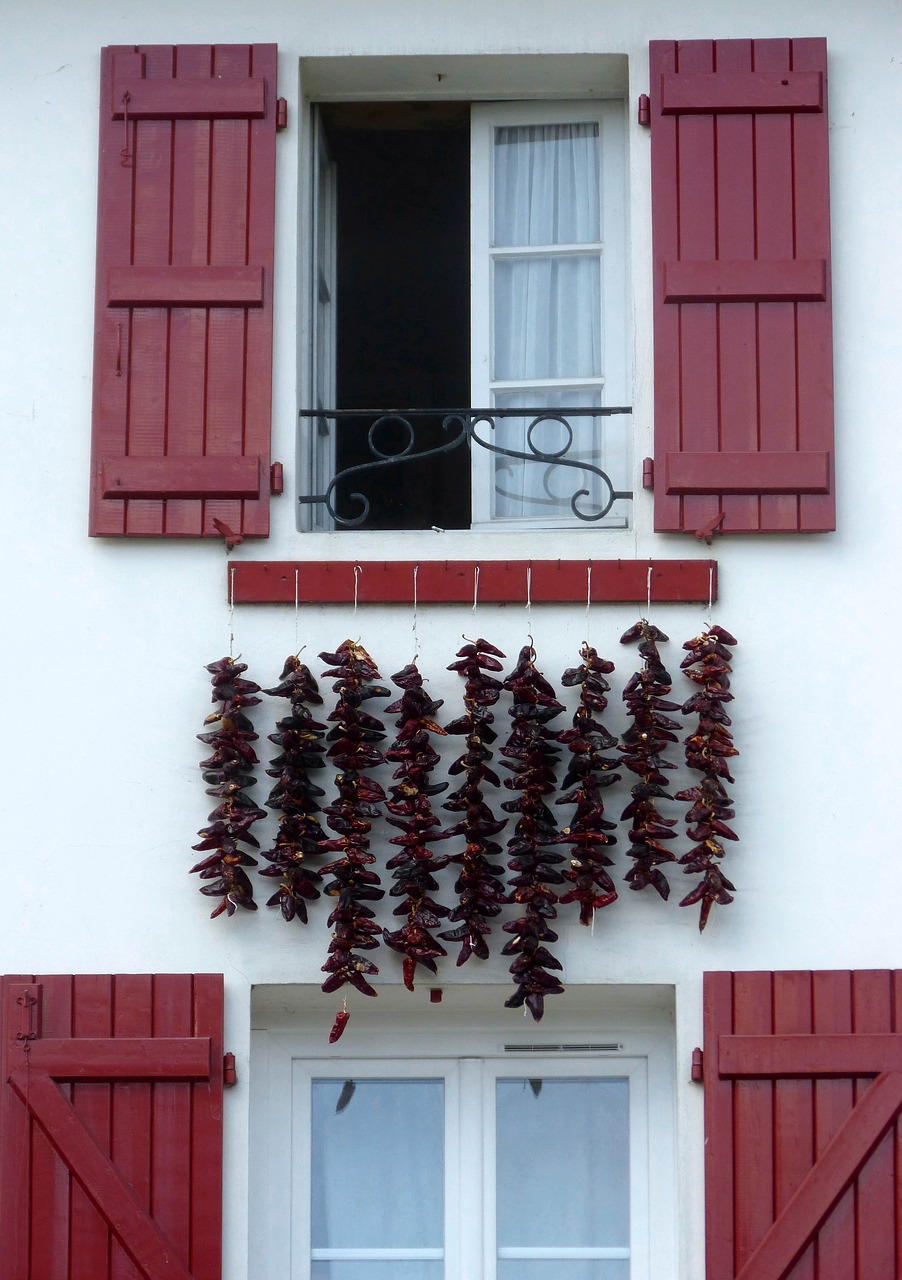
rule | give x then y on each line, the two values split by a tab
517	1161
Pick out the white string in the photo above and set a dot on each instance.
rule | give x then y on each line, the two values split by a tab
357	572
710	592
529	598
648	593
475	587
416	643
588	596
231	611
296	609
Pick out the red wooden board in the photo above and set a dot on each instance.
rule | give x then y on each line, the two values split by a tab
743	343
183	312
803	1096
457	581
111	1128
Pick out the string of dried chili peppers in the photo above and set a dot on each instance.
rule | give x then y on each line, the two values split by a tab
707	749
533	752
589	773
300	835
644	745
229	772
358	801
414	866
479	886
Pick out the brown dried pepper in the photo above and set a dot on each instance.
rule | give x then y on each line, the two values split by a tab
229	772
533	750
300	835
410	809
350	815
707	664
589	773
643	749
479	887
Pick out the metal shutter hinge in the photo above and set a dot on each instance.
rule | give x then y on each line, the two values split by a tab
276	479
644	113
27	1005
281	113
229	1074
648	473
697	1075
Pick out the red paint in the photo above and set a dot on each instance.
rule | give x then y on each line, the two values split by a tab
802	1096
183	316
743	363
123	1089
453	581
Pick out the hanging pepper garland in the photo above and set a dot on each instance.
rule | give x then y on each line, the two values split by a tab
409	805
358	801
229	772
644	745
532	748
300	835
589	773
479	886
707	750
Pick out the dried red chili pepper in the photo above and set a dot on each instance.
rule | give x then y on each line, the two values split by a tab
643	749
300	836
532	753
479	887
707	664
229	773
589	773
350	816
414	867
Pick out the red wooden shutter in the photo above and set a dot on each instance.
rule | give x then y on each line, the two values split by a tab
183	311
743	336
111	1127
803	1093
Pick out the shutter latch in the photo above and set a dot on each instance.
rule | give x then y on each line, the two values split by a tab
27	1005
697	1075
706	532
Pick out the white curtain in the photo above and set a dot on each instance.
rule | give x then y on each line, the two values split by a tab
546	310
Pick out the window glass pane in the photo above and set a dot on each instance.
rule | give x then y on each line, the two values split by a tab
394	1270
547	318
546	184
377	1165
593	1269
562	1153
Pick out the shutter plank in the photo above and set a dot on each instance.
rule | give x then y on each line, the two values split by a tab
130	1106
776	323
793	1114
88	1114
833	1100
170	1157
698	343
206	1135
875	1207
753	1110
719	1130
735	249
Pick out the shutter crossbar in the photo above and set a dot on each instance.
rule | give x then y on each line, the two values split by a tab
806	1056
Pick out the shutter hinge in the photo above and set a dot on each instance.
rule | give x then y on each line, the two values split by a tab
27	1006
706	532
697	1075
276	479
281	113
229	1074
644	113
648	473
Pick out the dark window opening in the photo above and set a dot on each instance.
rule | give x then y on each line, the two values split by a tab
403	297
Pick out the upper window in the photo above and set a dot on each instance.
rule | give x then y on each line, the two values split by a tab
471	257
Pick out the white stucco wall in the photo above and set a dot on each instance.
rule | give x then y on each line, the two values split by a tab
105	641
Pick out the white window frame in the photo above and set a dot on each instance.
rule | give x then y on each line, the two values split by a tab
285	1062
612	384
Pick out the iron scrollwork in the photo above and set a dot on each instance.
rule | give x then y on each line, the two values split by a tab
460	427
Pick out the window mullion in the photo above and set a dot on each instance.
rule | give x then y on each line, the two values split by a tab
469	1226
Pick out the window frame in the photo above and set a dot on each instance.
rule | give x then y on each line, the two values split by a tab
644	1054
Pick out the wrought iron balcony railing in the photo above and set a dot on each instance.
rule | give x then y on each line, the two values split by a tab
391	441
